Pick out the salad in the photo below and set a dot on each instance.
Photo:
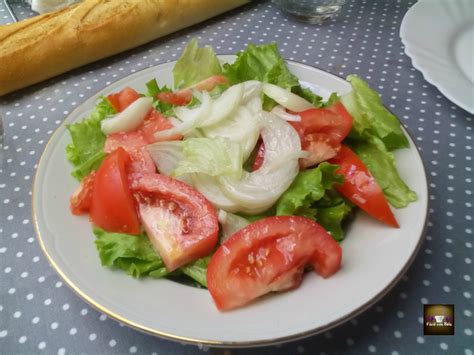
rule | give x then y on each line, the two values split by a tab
237	179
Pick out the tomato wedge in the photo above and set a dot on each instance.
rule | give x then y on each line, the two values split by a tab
184	96
321	131
134	144
321	146
269	255
155	122
81	199
180	222
260	156
113	207
179	98
120	101
334	121
361	188
210	83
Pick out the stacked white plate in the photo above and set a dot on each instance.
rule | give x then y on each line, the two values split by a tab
439	38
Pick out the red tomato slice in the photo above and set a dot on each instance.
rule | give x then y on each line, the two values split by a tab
113	206
361	188
184	96
210	83
334	121
258	162
345	123
134	144
180	222
81	199
321	146
269	255
321	130
155	122
120	101
179	98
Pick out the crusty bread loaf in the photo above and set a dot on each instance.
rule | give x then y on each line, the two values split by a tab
47	45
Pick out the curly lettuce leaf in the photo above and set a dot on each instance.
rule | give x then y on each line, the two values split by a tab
376	132
382	165
86	150
264	63
136	256
197	270
316	100
211	156
195	65
89	165
331	212
153	90
309	186
371	117
312	195
133	254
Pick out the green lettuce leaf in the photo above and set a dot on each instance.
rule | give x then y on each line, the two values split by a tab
195	65
86	151
263	63
153	90
382	165
375	132
312	195
136	256
316	100
309	186
371	117
331	211
197	270
89	165
133	254
211	156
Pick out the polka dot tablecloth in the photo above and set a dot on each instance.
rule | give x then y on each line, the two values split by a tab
38	313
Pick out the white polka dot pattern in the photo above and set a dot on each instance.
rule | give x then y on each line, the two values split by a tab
38	315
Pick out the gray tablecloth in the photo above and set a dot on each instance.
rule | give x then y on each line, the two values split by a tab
38	313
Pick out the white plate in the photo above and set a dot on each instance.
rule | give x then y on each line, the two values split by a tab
375	256
438	36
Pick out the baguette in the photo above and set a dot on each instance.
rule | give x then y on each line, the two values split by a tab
47	45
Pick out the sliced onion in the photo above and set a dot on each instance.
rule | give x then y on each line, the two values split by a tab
281	112
210	188
252	88
230	223
302	154
167	156
259	190
190	118
255	105
224	105
129	119
286	98
174	121
242	127
198	113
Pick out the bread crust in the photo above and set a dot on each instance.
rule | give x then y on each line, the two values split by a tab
47	45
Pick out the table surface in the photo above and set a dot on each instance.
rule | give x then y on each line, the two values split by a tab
39	313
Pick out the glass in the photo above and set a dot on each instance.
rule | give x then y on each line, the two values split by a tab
311	11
